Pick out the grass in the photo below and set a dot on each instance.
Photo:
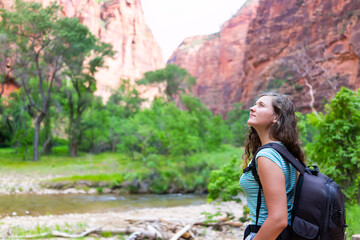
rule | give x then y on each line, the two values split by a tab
186	172
62	164
352	219
18	232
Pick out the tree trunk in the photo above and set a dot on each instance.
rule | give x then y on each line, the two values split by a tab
37	136
47	143
75	136
113	146
74	148
71	124
74	143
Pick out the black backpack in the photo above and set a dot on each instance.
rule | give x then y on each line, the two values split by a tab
319	210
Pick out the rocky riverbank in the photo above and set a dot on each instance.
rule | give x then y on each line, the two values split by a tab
112	221
17	183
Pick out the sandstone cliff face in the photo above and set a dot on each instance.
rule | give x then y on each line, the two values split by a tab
216	61
307	49
121	23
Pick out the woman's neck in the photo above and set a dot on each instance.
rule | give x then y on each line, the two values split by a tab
265	137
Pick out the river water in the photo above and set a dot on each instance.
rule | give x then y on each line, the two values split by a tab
35	205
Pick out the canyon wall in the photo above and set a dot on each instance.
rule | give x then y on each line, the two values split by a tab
216	60
121	23
307	49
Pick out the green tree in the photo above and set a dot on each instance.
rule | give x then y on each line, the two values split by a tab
42	41
237	122
38	54
124	103
211	129
166	129
126	99
176	80
87	56
336	148
19	114
95	127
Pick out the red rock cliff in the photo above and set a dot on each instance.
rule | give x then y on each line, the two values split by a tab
217	60
121	23
305	48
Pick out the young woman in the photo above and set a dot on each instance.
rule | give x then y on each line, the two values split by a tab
272	120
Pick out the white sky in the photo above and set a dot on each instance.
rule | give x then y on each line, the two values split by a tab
171	21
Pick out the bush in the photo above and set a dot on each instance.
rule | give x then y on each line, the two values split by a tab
237	121
336	148
59	142
224	183
352	219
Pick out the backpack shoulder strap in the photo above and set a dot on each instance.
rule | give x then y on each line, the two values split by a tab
252	168
282	150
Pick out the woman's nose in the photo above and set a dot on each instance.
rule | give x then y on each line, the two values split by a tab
252	109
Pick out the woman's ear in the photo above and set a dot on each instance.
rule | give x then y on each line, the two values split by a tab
276	118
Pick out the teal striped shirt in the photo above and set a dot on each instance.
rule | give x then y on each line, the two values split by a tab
251	188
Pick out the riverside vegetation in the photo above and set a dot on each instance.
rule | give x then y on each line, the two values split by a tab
175	145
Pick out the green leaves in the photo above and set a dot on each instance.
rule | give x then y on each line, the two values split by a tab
224	183
177	80
237	122
336	146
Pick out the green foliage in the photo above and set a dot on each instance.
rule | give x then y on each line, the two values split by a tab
94	127
237	121
307	132
177	80
210	217
18	120
276	83
352	220
166	129
45	231
5	130
336	147
125	101
87	56
94	178
224	183
50	47
246	214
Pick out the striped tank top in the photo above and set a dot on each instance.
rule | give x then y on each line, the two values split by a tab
251	188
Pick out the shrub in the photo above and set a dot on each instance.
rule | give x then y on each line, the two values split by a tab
336	148
224	183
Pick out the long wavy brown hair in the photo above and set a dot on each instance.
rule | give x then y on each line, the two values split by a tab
285	130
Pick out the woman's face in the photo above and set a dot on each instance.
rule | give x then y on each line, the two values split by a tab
262	114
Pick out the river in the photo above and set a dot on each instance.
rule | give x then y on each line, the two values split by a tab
36	205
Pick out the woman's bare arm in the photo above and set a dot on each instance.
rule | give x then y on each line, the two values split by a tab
273	183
